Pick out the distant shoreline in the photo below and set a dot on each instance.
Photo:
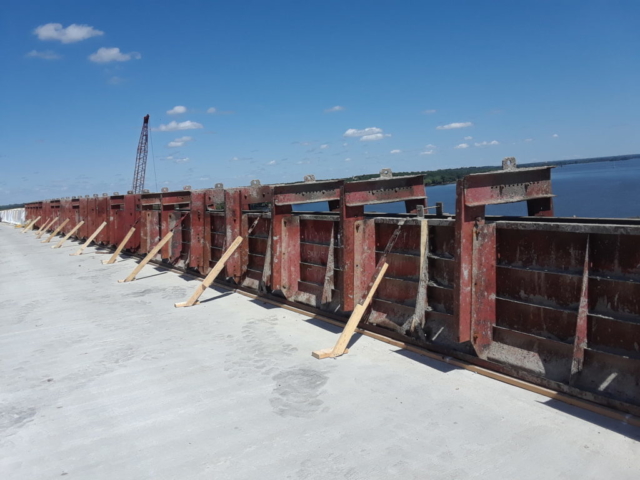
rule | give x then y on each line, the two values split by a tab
447	176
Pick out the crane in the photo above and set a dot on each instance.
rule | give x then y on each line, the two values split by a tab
141	157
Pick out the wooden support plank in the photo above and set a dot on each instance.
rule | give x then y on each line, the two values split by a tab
40	234
33	224
89	240
73	230
580	339
349	329
211	276
27	226
148	258
44	228
30	226
120	247
56	231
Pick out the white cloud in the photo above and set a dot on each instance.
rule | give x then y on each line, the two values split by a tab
353	132
486	144
323	146
181	160
454	125
173	126
106	55
212	110
395	151
374	137
272	162
429	112
431	145
347	159
468	138
45	55
337	108
427	152
369	134
462	145
555	135
528	139
179	142
73	33
177	109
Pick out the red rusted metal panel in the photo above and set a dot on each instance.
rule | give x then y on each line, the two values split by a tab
308	192
117	223
65	214
102	215
386	190
131	218
473	193
286	234
507	186
284	229
349	218
483	301
75	215
197	235
463	281
92	215
150	221
233	228
83	215
359	235
176	222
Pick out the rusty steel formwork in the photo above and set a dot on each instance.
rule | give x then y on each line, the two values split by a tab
553	301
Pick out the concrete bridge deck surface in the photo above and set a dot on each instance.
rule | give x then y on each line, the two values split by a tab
100	380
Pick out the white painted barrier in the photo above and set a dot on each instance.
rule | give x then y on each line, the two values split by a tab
14	216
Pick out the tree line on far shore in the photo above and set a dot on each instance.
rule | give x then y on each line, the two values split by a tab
451	175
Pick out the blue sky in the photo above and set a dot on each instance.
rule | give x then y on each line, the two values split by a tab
538	80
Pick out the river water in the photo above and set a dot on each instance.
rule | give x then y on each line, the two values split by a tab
597	190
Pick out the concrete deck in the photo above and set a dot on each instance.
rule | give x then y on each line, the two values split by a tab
100	380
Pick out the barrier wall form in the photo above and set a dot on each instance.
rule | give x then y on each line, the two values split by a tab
554	301
14	216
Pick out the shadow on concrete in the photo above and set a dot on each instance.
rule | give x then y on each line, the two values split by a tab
429	362
263	304
149	276
354	339
600	420
222	295
325	325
